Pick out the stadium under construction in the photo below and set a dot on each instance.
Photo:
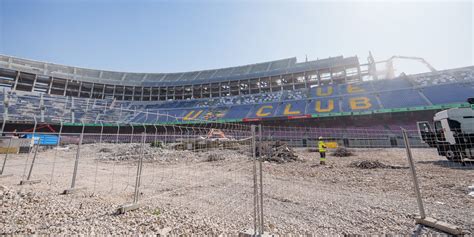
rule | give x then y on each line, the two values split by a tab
334	92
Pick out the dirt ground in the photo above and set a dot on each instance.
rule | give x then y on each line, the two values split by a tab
182	192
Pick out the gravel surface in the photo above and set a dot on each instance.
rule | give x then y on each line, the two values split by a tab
182	192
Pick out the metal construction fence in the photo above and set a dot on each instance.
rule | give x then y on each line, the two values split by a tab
201	170
216	176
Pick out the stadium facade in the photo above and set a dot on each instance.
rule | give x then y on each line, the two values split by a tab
332	92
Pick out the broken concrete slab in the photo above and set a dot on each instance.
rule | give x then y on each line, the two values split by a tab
128	207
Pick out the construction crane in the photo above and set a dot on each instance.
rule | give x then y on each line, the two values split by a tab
422	60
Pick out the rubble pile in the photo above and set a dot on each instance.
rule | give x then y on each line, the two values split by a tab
276	152
342	152
105	150
130	152
203	143
215	157
11	198
369	164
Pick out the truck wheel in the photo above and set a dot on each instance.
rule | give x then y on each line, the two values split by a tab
453	155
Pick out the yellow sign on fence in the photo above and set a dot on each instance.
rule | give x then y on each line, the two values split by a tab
331	144
11	150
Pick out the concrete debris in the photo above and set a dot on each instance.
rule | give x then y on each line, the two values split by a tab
369	164
342	152
199	198
64	148
276	152
215	157
204	143
470	190
132	153
105	150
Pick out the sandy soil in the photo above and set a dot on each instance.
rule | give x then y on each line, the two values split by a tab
182	192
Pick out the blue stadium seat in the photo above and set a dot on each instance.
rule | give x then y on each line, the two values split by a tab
324	91
212	114
359	103
291	108
449	93
355	88
401	99
151	118
194	114
263	110
78	116
238	111
443	87
171	115
139	118
391	84
323	105
172	104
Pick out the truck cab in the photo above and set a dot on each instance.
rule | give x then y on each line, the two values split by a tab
453	133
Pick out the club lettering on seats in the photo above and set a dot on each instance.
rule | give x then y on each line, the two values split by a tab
260	112
358	103
289	112
328	108
192	115
354	89
328	92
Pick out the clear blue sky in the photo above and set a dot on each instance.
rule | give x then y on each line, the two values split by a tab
170	36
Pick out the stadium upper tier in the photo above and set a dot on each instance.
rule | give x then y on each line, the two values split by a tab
285	74
272	68
427	91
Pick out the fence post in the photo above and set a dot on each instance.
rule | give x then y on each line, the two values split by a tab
261	176
118	132
144	130
139	170
5	159
29	151
156	133
131	137
76	164
166	134
254	157
423	219
3	123
413	174
101	132
56	151
135	205
28	181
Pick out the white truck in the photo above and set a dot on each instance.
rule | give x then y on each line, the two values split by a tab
453	133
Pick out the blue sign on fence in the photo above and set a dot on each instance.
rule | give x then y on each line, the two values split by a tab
45	140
